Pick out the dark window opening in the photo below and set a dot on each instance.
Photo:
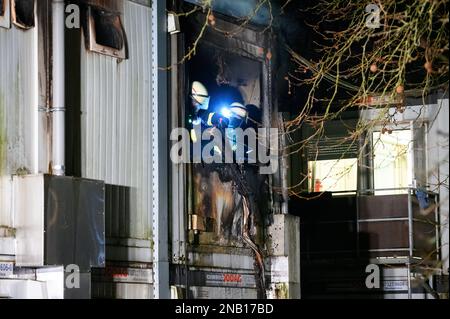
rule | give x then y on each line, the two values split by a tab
108	29
104	32
23	13
2	7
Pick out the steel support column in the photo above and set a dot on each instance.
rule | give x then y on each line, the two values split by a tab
160	142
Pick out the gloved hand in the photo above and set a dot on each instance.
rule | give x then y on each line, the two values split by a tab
220	121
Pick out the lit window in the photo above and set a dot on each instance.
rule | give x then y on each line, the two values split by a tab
392	161
5	17
333	175
332	161
23	15
105	33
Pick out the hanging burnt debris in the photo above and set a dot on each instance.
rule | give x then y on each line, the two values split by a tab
23	13
103	28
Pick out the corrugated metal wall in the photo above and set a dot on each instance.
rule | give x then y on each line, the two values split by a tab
116	126
18	110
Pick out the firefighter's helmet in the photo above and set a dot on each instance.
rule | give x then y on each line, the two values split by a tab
239	115
200	96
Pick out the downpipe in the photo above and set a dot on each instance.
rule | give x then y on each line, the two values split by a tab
57	111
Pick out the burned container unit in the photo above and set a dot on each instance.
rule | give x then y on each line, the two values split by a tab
211	255
96	96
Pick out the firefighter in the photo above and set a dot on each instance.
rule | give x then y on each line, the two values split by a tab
237	114
230	117
202	115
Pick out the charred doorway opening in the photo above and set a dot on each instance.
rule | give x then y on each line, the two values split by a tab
228	204
231	75
230	78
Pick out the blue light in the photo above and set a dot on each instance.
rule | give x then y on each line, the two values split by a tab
226	112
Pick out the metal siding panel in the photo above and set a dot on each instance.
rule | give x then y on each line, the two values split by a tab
116	126
18	110
29	220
